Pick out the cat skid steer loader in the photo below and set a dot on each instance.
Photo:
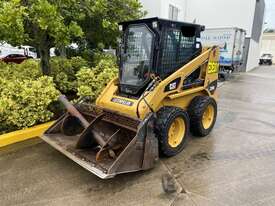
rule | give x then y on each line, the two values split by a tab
167	86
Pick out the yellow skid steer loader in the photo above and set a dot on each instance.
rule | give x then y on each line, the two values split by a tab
167	86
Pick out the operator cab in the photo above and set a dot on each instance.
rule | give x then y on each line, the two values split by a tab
156	47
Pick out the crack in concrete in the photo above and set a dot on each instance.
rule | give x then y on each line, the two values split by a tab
180	186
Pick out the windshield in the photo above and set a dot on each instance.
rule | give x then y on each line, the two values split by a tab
267	55
136	55
32	49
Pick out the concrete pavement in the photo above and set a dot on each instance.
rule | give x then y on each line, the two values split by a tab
233	166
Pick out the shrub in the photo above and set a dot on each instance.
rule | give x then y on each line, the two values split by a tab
27	98
98	56
64	72
27	70
25	103
24	95
92	81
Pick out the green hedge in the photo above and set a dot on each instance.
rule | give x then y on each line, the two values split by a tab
90	82
27	98
24	103
64	72
27	70
24	96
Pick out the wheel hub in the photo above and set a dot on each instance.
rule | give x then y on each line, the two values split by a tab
176	132
208	116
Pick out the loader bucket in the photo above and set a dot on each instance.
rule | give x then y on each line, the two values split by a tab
130	143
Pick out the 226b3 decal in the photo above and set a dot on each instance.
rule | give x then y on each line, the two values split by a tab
213	67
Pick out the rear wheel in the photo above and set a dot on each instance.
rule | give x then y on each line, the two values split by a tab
203	114
172	128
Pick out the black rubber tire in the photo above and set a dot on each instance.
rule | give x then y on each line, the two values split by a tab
196	110
165	117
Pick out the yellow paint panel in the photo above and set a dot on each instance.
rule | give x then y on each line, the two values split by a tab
21	135
207	61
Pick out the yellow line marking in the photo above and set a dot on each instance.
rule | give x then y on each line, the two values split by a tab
24	134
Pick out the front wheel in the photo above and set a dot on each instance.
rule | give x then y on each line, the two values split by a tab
203	114
172	128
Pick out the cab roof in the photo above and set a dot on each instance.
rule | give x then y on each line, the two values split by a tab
163	23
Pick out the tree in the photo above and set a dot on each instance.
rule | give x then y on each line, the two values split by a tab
101	25
44	24
40	23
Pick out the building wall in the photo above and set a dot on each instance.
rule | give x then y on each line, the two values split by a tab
211	13
180	4
245	14
268	44
153	7
253	55
160	8
222	13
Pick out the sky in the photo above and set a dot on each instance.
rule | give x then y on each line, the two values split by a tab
270	14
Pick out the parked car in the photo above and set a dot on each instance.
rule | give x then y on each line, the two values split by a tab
266	59
7	49
15	58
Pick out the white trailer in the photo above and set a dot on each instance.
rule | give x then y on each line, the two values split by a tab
231	43
7	49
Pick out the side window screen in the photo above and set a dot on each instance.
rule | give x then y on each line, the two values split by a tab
178	48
